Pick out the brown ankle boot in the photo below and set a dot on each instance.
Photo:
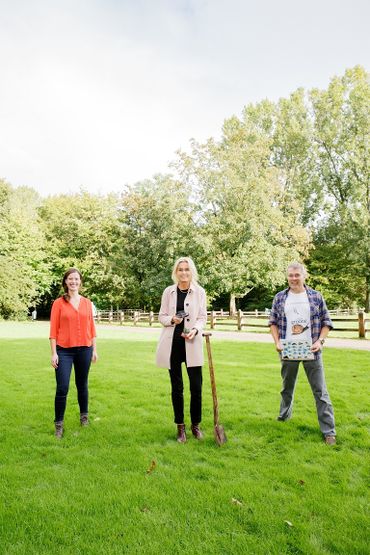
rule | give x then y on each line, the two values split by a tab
59	429
181	435
196	431
84	419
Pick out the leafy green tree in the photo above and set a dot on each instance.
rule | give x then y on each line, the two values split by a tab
24	270
293	154
342	139
249	225
332	265
319	143
83	231
157	226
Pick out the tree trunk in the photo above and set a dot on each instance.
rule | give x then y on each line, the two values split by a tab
233	297
232	304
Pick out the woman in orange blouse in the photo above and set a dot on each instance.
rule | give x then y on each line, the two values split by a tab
72	341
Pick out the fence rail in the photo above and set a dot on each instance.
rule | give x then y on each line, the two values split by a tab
251	319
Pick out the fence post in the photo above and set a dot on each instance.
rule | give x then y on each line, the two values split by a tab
136	317
110	317
98	316
361	324
240	319
121	317
213	319
151	318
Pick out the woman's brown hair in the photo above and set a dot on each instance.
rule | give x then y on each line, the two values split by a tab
64	285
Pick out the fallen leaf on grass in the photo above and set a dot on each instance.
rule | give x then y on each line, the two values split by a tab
236	502
152	466
301	482
288	523
145	509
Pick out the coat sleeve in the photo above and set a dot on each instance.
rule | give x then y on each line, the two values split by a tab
164	317
201	320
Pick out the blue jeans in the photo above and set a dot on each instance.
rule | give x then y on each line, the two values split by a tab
80	357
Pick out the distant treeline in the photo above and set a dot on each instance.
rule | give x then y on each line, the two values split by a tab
287	180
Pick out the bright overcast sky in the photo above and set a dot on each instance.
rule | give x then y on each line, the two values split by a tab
101	93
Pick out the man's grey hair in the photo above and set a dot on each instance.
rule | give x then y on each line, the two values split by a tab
300	267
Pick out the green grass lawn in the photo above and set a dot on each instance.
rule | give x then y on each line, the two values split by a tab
273	488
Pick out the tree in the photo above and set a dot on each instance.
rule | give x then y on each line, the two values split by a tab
292	150
157	227
341	135
24	271
83	231
249	224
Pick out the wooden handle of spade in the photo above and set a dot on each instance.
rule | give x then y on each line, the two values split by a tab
207	335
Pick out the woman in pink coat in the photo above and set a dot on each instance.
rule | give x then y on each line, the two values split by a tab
183	315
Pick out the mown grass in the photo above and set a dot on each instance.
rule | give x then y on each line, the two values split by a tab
91	493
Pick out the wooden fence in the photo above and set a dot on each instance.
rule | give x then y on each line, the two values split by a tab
253	319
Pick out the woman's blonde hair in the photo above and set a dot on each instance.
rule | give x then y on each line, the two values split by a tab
193	270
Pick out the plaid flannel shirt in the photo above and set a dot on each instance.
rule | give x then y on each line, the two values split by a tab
319	314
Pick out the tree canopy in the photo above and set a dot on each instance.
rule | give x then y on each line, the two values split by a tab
286	180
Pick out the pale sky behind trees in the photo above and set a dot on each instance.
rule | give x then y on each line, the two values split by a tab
101	93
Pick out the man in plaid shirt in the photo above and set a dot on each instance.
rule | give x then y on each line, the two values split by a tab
299	314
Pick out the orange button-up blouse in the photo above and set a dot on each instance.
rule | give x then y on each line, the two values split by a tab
71	327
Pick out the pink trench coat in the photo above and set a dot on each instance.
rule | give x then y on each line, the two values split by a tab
195	305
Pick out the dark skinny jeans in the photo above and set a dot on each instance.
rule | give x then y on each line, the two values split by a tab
178	355
80	357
